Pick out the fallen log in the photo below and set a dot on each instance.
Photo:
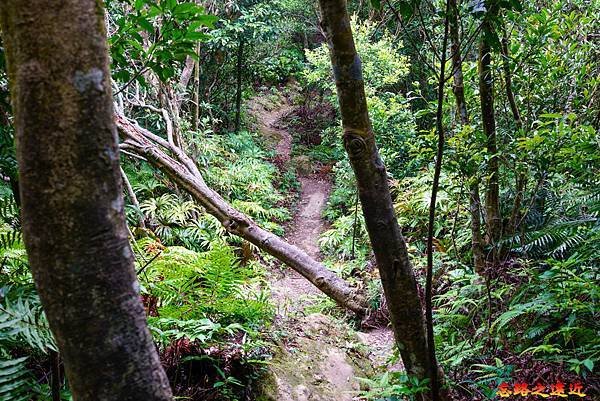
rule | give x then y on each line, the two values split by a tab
175	163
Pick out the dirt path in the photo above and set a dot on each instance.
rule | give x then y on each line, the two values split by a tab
313	366
287	286
290	287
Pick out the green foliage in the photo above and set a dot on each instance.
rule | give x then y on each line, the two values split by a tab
280	67
383	65
393	386
202	331
203	303
150	35
212	285
22	321
551	315
24	334
558	305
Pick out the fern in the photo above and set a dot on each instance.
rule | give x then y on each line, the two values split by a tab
10	212
568	223
23	327
16	381
22	320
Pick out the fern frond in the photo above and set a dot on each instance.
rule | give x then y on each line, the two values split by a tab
16	381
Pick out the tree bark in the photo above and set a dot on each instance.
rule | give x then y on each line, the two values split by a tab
486	94
463	117
397	277
476	240
458	87
522	177
435	382
196	94
183	171
133	198
239	82
72	203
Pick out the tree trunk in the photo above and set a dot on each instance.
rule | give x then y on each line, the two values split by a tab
522	177
183	171
397	277
463	115
435	381
239	86
133	198
196	94
476	240
486	94
72	203
458	80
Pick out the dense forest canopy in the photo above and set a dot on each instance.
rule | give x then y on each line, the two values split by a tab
299	200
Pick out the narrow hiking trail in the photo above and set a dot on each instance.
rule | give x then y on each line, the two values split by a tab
287	286
322	356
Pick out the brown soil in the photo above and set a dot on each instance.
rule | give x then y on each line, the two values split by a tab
291	292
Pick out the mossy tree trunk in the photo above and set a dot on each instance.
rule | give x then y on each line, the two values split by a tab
463	118
406	313
72	203
488	118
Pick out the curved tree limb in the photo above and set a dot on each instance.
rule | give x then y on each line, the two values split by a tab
181	168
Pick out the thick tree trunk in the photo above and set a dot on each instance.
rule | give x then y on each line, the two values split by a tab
182	170
72	202
397	277
463	117
486	94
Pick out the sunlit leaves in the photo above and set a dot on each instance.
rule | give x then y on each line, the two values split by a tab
155	36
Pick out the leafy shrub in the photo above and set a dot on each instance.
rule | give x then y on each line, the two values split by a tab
205	313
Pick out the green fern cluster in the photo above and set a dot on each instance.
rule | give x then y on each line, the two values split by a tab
560	225
190	285
206	301
551	315
24	335
555	315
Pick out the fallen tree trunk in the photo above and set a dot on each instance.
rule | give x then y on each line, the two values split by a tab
182	169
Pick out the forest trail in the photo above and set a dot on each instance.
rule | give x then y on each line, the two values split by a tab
316	342
287	286
304	232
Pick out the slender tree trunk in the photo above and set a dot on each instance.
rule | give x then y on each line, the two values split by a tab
508	83
486	94
463	115
196	96
183	171
397	277
72	203
458	80
435	382
133	198
239	86
522	177
476	240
